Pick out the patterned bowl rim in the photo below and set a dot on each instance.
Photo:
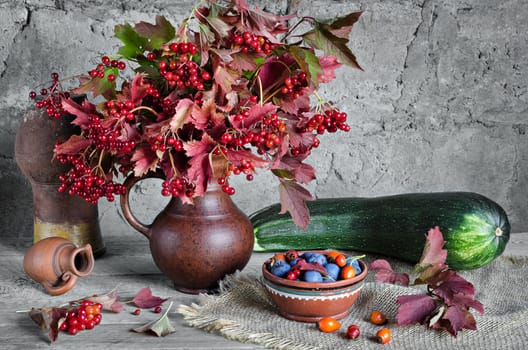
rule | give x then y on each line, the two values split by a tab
314	285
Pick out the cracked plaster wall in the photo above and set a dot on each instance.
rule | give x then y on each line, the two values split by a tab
441	105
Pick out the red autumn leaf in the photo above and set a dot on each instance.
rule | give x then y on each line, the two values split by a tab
329	64
244	62
138	89
81	112
236	157
456	318
74	145
292	199
200	163
448	284
415	308
206	115
303	265
144	299
110	301
433	257
386	274
433	253
145	160
302	172
256	112
183	112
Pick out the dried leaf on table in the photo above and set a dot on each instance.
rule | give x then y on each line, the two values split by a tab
144	299
161	327
49	318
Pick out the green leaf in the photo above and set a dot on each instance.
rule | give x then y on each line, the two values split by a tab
134	43
161	327
307	61
321	38
283	174
157	34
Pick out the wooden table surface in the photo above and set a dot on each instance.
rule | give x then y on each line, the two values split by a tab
127	266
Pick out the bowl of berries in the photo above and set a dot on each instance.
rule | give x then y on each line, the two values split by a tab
307	286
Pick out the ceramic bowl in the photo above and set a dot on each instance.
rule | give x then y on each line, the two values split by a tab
311	301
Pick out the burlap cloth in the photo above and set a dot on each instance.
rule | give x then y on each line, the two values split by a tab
242	311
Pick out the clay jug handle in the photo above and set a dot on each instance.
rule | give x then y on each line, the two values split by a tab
125	205
69	279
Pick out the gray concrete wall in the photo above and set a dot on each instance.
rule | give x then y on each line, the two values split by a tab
441	105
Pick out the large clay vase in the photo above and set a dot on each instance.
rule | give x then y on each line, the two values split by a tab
56	263
196	245
55	214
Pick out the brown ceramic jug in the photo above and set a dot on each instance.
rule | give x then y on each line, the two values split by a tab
56	263
55	213
196	245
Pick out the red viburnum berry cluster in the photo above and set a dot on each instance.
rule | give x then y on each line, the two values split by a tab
177	187
330	120
86	316
294	85
51	98
248	42
106	62
81	181
179	70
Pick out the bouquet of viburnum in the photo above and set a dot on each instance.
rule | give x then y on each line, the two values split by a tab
231	81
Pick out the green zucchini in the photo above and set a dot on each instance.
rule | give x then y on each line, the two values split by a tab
475	228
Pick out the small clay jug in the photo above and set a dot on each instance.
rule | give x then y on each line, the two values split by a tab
56	263
196	245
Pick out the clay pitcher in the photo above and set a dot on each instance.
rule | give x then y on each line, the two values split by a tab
196	245
56	263
55	213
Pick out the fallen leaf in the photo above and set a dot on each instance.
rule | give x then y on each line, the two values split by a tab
110	301
385	273
161	326
144	299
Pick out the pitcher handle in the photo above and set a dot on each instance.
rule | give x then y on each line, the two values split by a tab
130	181
68	281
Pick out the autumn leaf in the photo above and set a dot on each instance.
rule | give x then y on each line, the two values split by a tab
433	256
160	327
322	38
99	86
415	308
183	111
200	164
145	160
144	299
328	64
110	301
157	34
342	26
74	145
80	111
448	297
138	88
48	318
292	199
385	273
308	62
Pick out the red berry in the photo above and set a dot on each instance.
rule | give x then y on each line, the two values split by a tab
137	312
353	331
157	309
